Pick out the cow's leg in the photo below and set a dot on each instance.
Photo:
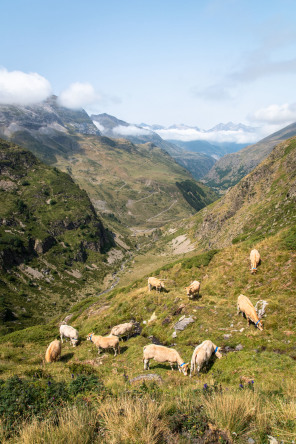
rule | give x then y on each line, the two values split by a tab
248	322
99	350
238	310
149	287
171	364
146	364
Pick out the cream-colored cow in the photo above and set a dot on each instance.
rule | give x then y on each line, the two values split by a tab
193	289
255	259
245	306
163	354
155	283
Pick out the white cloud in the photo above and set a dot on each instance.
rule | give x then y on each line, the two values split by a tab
99	125
276	114
130	130
188	135
20	88
78	95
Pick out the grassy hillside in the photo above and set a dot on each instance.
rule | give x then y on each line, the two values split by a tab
229	170
267	358
135	183
249	393
258	206
197	163
50	236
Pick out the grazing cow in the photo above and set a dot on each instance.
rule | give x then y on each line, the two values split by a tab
66	331
193	289
155	283
245	306
255	259
163	354
53	351
202	354
123	329
104	342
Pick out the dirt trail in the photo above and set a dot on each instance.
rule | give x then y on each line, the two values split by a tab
164	211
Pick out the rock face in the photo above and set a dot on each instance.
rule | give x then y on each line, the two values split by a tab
45	128
42	246
183	323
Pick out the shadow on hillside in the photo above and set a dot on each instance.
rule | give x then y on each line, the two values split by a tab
123	349
207	367
67	357
164	366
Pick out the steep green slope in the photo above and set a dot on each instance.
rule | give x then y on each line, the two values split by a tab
257	207
49	233
267	358
229	170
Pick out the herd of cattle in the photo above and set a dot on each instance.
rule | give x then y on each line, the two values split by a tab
160	353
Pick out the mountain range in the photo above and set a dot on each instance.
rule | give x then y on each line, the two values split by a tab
231	168
136	184
197	162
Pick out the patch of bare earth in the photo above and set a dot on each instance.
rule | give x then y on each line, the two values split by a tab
181	245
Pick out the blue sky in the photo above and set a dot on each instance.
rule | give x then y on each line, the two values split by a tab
194	62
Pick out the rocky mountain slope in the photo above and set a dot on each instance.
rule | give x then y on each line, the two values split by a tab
129	184
233	167
198	163
260	205
46	129
50	237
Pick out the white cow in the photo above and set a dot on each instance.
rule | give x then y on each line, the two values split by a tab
66	331
202	354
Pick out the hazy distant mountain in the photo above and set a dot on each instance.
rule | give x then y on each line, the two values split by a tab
222	139
217	150
231	168
230	126
198	163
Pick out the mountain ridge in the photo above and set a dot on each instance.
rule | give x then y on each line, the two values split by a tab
231	168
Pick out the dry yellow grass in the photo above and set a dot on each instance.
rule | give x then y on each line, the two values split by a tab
133	421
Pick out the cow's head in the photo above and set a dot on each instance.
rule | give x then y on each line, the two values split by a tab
187	290
184	368
218	353
260	325
89	336
253	270
161	284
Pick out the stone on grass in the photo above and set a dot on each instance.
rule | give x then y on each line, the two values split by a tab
146	377
183	323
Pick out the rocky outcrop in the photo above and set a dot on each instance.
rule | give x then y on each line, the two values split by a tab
42	246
